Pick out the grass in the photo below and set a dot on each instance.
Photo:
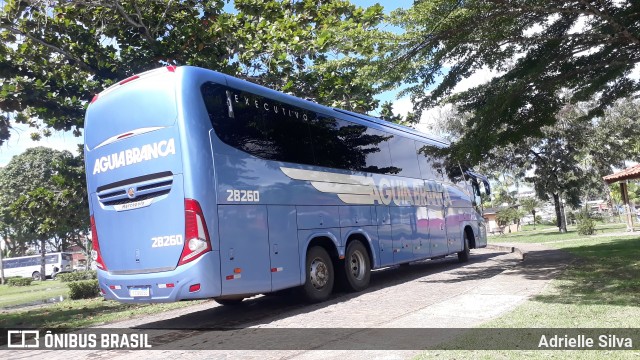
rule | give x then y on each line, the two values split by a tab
67	313
82	313
599	290
548	235
11	296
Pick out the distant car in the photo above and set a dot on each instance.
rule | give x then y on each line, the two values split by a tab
80	268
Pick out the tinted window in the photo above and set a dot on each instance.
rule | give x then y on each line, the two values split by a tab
276	131
404	157
345	145
426	162
259	126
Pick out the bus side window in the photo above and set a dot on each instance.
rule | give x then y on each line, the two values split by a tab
430	168
378	155
404	157
287	136
243	131
346	145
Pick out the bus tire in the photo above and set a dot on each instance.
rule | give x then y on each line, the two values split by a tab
235	301
36	276
357	267
463	256
319	275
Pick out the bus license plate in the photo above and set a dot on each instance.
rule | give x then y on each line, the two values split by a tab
139	291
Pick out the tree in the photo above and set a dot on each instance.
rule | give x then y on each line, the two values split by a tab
43	200
535	48
530	205
572	156
54	56
508	216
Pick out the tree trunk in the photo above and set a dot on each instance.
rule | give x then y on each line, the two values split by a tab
563	216
1	265
562	227
43	244
533	212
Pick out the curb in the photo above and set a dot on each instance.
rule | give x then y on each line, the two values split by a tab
510	249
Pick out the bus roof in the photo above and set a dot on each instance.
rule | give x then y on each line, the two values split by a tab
361	119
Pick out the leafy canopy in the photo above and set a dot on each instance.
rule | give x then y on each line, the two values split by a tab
43	198
537	48
55	55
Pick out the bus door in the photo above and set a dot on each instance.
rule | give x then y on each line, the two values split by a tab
283	243
455	215
244	249
422	245
403	232
437	222
385	239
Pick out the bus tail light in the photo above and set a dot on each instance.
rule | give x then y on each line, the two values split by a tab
196	234
95	253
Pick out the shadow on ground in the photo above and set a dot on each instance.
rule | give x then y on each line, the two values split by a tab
264	308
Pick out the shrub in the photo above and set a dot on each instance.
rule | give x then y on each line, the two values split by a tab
78	276
19	281
85	289
586	225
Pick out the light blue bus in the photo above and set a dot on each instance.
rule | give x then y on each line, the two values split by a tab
202	185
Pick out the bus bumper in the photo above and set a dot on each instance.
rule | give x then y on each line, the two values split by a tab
196	280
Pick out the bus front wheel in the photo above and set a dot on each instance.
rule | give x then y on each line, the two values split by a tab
320	275
463	256
36	275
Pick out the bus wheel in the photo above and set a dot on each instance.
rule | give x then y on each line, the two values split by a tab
357	267
36	275
320	277
463	256
232	301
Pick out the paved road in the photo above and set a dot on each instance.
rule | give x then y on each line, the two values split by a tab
429	294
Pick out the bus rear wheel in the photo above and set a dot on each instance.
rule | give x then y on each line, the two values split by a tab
319	275
357	267
35	276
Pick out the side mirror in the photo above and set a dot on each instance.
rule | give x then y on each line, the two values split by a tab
487	187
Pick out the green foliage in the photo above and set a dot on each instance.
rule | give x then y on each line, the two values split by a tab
586	225
633	190
78	276
508	216
55	56
567	164
43	197
85	289
534	48
19	281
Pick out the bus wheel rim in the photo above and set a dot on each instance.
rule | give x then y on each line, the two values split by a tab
357	265
319	273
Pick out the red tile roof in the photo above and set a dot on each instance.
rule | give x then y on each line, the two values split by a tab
626	174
